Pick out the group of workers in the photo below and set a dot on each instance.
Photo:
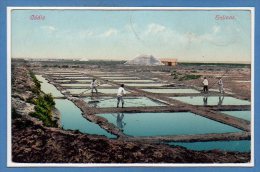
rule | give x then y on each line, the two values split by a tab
120	93
206	85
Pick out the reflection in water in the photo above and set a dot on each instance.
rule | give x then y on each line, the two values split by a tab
72	119
119	121
220	100
159	124
129	102
205	100
93	101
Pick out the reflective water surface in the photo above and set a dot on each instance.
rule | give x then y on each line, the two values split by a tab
173	90
71	118
240	146
144	84
128	102
212	100
159	124
239	114
88	90
47	87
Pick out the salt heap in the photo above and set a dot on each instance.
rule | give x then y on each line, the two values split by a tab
144	60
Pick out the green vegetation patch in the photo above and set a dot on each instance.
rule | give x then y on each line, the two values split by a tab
175	74
44	104
36	82
43	109
182	77
189	77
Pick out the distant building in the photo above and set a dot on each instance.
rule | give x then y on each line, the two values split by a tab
169	61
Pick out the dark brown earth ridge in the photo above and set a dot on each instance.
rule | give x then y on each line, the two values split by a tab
33	143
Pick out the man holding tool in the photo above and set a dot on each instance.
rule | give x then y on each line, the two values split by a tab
205	85
221	85
93	86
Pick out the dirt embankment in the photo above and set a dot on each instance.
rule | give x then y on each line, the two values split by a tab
22	91
33	142
36	143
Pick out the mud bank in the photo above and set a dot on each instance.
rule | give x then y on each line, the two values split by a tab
33	142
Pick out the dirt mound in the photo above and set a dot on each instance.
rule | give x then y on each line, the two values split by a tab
144	60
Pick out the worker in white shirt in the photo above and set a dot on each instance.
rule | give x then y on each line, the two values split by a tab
93	86
221	85
205	85
120	93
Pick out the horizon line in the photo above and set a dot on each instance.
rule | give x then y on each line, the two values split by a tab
79	59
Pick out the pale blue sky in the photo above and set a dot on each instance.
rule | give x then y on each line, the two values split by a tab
185	35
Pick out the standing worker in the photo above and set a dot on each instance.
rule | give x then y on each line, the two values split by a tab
93	86
120	93
205	85
221	85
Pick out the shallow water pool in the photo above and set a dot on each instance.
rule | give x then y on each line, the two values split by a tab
87	85
161	124
172	90
130	81
246	115
71	118
84	80
61	80
77	77
129	102
64	73
240	146
67	75
144	84
75	85
119	77
47	87
214	100
107	74
87	90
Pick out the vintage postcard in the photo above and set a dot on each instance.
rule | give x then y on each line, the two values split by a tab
130	87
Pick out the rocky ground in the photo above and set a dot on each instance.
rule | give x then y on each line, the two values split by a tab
33	142
22	93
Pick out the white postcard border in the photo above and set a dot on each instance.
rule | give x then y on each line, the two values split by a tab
10	163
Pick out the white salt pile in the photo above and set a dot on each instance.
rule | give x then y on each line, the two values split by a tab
144	60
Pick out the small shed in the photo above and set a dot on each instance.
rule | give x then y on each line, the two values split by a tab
169	61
